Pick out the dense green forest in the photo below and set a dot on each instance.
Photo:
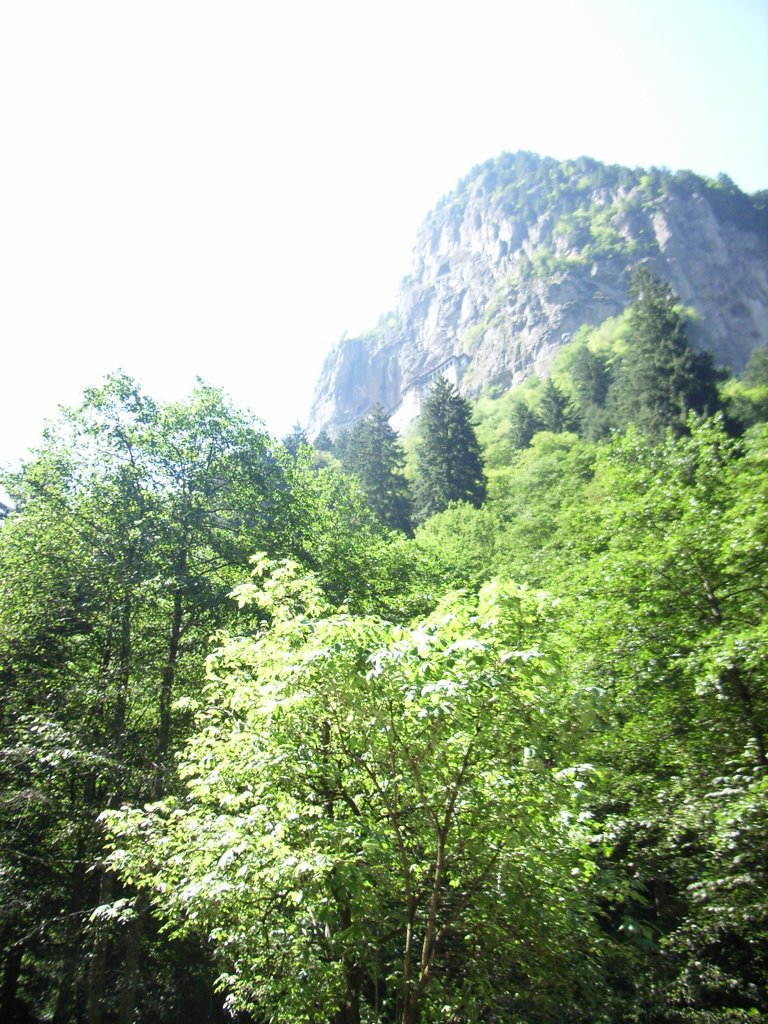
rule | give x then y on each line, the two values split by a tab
464	727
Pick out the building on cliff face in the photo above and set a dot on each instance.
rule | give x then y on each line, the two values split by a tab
527	250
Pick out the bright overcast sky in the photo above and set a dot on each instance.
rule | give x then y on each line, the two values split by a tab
220	189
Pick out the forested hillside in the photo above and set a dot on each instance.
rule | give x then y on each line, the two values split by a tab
465	727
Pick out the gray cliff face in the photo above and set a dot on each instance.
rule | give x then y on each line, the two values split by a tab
525	252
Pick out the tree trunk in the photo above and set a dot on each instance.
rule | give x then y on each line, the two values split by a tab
73	938
132	960
10	1009
169	672
98	965
134	938
415	991
349	1013
733	676
123	678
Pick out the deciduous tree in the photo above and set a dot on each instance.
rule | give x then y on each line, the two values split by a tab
379	821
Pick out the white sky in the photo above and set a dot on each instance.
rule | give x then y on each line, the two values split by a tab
220	189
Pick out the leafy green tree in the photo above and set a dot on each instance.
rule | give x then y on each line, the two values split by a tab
359	562
660	378
525	527
373	453
116	562
72	540
687	549
449	460
658	553
462	541
666	614
130	526
379	821
746	400
756	371
506	424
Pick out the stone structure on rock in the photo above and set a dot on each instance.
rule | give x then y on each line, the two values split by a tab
527	250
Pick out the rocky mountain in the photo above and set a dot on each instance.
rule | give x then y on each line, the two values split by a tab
525	251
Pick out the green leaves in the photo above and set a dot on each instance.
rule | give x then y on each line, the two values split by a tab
388	796
388	804
131	525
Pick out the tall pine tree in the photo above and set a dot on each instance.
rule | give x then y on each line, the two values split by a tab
295	439
373	453
661	379
449	460
591	377
555	411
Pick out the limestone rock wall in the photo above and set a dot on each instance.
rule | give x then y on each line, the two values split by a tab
526	251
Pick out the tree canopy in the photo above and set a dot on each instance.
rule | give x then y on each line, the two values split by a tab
510	768
367	804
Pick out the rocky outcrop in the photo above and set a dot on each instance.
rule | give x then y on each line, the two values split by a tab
526	251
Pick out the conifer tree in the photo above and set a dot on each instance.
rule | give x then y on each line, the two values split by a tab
295	439
323	442
661	378
373	453
523	424
450	463
590	377
756	371
555	411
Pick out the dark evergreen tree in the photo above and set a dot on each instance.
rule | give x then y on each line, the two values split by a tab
323	442
591	378
295	439
661	379
373	453
339	445
523	424
756	371
450	463
555	412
